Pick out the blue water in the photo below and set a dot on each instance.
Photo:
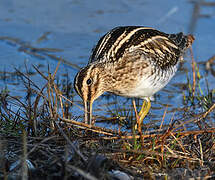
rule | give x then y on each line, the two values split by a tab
75	26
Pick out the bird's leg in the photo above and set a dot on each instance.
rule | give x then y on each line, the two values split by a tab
136	113
142	114
144	110
143	107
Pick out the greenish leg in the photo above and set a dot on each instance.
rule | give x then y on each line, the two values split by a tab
144	110
143	107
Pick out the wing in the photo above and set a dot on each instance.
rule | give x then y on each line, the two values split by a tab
164	48
159	50
107	44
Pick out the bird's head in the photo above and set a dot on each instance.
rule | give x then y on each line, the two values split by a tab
89	85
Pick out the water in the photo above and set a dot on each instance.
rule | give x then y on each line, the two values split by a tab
74	26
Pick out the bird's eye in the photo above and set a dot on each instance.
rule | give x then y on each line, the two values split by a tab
89	81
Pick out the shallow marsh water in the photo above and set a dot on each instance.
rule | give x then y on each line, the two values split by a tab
72	27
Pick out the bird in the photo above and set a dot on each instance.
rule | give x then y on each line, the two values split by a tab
130	61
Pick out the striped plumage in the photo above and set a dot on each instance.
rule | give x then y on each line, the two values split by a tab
131	61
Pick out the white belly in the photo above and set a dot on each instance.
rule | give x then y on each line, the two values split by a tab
148	86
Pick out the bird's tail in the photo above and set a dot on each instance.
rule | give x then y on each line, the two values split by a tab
181	40
190	39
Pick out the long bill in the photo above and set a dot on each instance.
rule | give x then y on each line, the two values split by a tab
88	112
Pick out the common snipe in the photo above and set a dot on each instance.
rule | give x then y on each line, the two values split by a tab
130	61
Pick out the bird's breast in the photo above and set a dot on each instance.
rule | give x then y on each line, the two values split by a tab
148	85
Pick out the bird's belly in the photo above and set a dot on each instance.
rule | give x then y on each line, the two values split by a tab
148	86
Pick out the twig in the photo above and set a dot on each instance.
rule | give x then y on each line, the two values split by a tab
194	72
186	133
201	152
90	128
172	155
209	62
164	114
71	144
24	159
210	110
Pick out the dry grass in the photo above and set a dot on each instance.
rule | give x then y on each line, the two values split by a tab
42	139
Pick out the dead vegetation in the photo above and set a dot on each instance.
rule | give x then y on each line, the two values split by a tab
42	138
